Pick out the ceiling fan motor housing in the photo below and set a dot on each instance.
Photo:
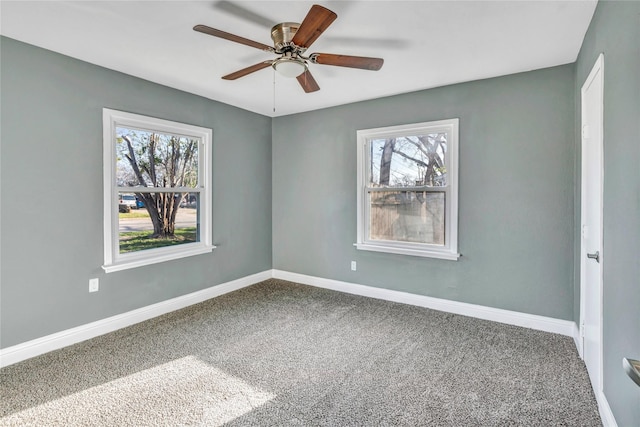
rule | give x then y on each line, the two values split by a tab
282	34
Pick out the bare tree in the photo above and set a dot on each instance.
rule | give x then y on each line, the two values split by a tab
160	161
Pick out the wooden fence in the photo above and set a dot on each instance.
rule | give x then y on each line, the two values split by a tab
408	216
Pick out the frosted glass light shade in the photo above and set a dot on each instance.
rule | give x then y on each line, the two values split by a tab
289	67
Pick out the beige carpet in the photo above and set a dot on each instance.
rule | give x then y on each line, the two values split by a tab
284	354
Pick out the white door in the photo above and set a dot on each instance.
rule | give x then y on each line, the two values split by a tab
591	256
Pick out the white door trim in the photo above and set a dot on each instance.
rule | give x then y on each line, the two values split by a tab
596	72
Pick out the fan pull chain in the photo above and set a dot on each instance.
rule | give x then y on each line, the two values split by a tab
274	90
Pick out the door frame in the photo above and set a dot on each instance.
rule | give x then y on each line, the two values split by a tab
596	72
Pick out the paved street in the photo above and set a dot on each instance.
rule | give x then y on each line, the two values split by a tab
186	217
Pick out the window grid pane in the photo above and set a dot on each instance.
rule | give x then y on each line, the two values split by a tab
155	159
407	216
408	160
173	220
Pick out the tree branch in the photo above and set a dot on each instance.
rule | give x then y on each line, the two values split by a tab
406	156
419	145
132	160
152	159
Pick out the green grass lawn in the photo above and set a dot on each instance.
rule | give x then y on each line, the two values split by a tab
133	241
138	213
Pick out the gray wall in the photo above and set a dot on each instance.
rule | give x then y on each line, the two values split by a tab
615	31
516	220
51	175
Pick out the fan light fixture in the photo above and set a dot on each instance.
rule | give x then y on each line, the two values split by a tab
289	67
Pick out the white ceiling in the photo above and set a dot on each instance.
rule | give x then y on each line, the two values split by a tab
424	44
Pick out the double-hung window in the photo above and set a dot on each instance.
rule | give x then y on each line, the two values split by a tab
157	190
408	189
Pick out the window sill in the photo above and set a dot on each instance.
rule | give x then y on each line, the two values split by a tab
134	262
452	256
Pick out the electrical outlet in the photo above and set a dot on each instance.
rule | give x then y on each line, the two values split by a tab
353	266
94	285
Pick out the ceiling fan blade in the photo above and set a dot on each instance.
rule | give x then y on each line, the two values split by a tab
232	37
248	70
362	62
307	82
317	20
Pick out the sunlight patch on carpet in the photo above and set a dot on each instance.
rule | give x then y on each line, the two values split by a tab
186	391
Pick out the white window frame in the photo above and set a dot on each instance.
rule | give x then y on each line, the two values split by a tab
113	259
447	251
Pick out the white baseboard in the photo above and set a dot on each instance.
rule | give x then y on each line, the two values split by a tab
577	339
608	420
541	323
20	352
23	351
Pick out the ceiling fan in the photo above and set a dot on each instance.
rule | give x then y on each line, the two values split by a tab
291	40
